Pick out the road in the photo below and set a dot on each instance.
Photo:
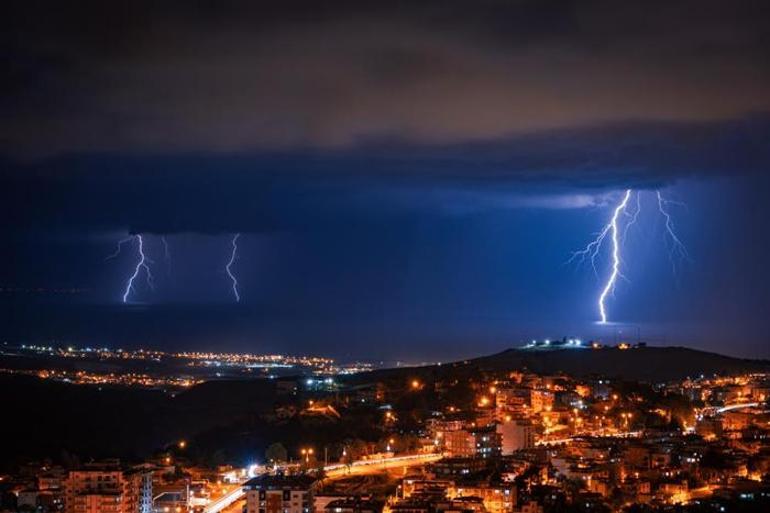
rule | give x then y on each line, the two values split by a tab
228	502
235	507
731	407
377	465
224	502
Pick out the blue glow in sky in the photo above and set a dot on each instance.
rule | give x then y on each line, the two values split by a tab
385	271
406	181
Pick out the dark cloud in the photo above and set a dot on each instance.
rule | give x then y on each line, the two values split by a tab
250	116
229	77
205	192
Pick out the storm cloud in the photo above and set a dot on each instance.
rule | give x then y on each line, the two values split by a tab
149	116
213	193
253	76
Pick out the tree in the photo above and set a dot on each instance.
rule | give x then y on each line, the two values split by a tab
276	453
320	471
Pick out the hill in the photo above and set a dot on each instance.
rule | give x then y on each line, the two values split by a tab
648	364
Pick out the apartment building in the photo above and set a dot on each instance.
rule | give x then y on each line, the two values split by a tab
280	494
106	487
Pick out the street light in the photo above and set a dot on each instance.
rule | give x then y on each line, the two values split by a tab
307	453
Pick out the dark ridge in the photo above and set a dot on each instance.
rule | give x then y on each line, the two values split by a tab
648	364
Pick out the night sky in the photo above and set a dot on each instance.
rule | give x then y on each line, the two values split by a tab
409	179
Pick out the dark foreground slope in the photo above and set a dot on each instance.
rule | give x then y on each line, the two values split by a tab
43	418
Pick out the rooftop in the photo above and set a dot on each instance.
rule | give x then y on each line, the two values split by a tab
279	482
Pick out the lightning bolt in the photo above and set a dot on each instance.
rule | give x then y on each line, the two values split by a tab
141	265
591	251
228	267
677	247
119	248
634	217
616	260
612	230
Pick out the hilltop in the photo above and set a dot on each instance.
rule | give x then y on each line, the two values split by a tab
652	364
649	364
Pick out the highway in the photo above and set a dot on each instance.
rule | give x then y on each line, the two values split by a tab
731	407
337	470
376	465
225	501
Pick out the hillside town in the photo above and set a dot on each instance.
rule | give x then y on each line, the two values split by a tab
496	442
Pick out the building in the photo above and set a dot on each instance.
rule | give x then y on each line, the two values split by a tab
353	505
322	501
481	442
171	496
516	435
487	442
531	507
459	467
280	494
459	443
421	488
496	498
108	488
511	400
541	400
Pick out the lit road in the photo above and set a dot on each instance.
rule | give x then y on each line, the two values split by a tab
235	507
336	470
710	411
732	407
225	501
380	464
